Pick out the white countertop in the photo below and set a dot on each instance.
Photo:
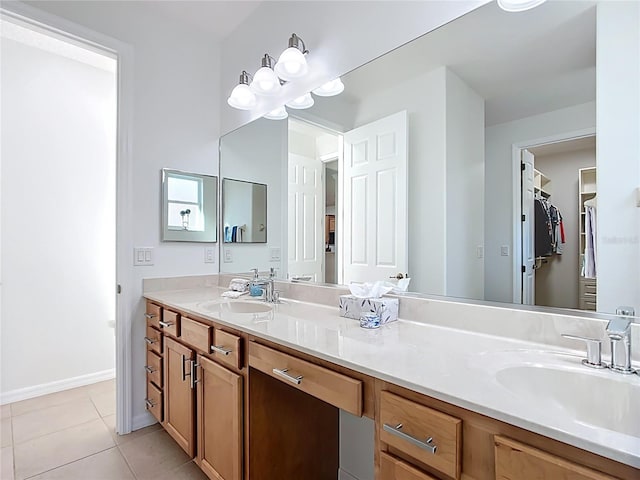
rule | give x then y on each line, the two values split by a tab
467	369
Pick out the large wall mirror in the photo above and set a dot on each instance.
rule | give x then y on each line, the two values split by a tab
189	207
438	156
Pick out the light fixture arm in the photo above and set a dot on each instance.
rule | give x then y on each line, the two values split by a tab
245	77
295	41
268	61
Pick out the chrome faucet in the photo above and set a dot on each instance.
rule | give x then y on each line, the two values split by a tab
270	294
619	331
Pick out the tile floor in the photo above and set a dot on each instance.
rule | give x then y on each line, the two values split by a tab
71	435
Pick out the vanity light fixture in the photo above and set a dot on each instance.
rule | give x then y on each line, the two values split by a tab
292	64
329	89
519	5
242	97
300	103
265	81
279	113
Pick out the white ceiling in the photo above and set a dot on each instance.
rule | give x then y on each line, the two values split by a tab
562	147
522	64
216	17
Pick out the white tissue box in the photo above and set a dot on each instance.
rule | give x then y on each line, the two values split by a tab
352	307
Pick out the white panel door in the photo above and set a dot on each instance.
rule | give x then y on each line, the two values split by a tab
374	240
528	230
306	218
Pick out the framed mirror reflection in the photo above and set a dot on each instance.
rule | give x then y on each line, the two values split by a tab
189	207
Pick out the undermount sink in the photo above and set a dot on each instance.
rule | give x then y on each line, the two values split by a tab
600	399
235	306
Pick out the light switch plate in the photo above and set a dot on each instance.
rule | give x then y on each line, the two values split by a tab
504	250
209	255
143	256
480	251
228	255
275	254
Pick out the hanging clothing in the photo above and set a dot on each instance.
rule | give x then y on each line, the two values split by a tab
589	262
549	228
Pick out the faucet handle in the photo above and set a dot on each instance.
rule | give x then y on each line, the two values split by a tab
594	351
255	273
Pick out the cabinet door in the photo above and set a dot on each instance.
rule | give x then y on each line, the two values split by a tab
517	461
179	394
219	421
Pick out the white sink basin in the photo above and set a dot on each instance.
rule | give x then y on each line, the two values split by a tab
600	398
235	306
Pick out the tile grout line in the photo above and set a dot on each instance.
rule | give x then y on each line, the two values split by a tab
57	431
65	464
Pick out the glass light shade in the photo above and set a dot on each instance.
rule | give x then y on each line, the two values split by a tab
519	5
329	89
300	103
279	113
291	64
265	82
242	97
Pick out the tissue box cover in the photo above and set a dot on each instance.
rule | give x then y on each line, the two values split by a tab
352	307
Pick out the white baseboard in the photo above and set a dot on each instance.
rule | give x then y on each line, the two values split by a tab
343	475
143	420
57	386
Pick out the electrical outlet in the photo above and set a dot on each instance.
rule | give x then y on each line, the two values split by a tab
143	256
209	255
228	255
504	250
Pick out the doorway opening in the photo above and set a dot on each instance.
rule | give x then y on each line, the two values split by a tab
59	167
558	223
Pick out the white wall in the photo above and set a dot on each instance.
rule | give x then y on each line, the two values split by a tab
58	219
618	155
339	35
446	165
499	171
175	124
258	153
465	189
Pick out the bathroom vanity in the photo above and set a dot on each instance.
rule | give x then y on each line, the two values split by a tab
253	391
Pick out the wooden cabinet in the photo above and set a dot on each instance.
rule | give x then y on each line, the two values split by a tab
179	394
279	418
427	435
334	388
517	461
220	426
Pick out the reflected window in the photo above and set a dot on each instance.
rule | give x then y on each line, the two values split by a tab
185	203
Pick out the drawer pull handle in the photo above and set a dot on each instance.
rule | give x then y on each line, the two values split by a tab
150	341
150	315
194	373
426	445
220	349
184	370
149	403
283	373
149	369
165	324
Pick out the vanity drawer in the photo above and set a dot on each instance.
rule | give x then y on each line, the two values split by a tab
196	334
154	368
392	468
154	401
153	314
154	340
339	390
417	424
226	348
517	461
170	323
